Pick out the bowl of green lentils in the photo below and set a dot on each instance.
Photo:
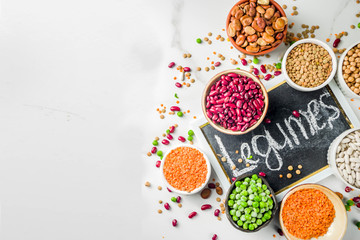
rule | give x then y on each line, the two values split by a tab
250	203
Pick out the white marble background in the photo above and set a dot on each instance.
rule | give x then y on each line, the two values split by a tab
79	85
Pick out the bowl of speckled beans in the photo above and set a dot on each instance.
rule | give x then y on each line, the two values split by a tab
309	65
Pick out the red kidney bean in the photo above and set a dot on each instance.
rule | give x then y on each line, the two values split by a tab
262	174
178	85
165	142
356	199
217	64
267	77
280	232
178	199
158	163
212	185
252	122
174	108
167	206
169	136
256	71
358	205
348	189
277	73
187	69
205	207
214	237
233	179
296	113
243	129
171	129
336	42
266	120
232	75
154	150
216	212
262	69
244	62
172	64
192	214
182	139
169	189
174	222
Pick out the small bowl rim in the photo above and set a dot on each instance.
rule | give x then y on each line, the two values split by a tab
317	42
332	155
207	90
196	190
283	14
274	210
339	74
309	185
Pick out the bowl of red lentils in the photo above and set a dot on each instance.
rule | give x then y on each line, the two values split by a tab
348	75
309	65
185	169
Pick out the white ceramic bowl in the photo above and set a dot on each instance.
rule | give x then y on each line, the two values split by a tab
320	43
337	229
196	190
332	155
339	76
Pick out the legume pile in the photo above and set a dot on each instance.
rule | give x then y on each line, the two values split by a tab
250	203
308	213
309	65
351	69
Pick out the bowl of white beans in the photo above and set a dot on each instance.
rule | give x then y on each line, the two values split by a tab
344	157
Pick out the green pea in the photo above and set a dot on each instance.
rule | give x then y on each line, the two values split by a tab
235	206
199	40
255	225
255	204
173	199
242	218
247	210
191	132
257	199
264	187
347	207
263	219
180	114
245	226
243	187
159	153
238	189
260	215
190	138
244	204
155	143
254	176
244	193
358	225
167	131
255	61
237	184
240	223
237	196
350	202
251	227
267	216
278	65
232	196
235	218
259	180
247	216
247	179
358	25
231	203
232	212
161	157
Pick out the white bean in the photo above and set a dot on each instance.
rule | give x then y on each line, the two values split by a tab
340	160
349	151
348	169
351	180
345	140
347	159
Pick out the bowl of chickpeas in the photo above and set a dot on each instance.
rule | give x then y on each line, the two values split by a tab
348	75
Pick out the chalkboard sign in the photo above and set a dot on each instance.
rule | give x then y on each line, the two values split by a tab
279	147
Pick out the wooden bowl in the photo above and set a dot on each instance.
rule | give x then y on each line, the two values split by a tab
274	210
207	90
282	12
337	229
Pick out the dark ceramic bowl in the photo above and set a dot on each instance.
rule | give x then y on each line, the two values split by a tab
274	210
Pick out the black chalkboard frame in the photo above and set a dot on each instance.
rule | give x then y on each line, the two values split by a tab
322	173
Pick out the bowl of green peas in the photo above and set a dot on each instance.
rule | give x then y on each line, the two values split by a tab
250	203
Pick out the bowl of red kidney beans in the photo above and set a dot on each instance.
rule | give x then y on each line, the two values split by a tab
235	102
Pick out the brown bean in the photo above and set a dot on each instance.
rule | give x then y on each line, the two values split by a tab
252	49
205	193
246	20
219	190
239	14
279	36
252	38
269	13
269	30
240	40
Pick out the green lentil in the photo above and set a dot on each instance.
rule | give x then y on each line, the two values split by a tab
199	40
173	199
180	114
190	138
155	143
159	153
167	131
